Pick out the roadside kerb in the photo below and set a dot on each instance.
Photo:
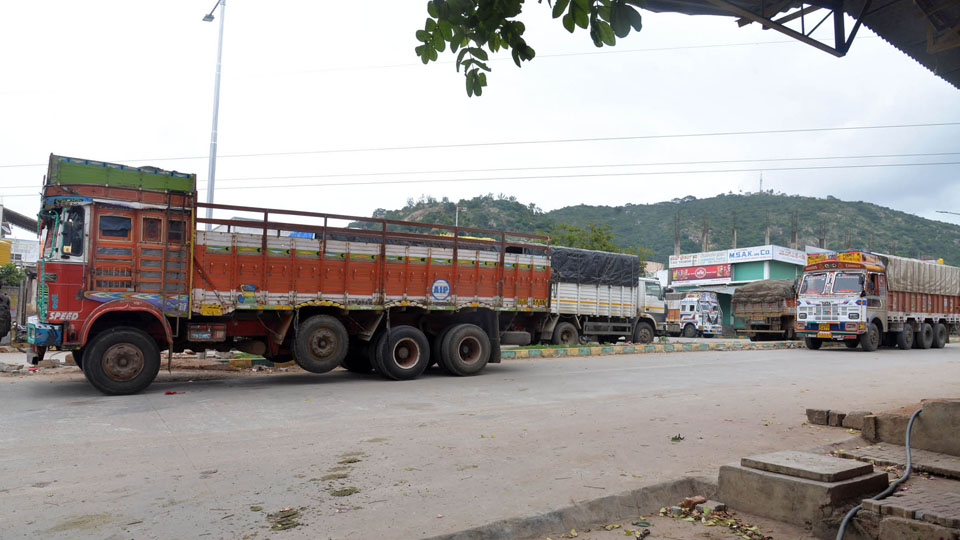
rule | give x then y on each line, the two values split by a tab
626	505
605	350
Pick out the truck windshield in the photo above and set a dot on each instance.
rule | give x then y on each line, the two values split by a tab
72	231
813	284
848	283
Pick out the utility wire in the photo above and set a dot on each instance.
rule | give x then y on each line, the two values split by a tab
554	167
534	141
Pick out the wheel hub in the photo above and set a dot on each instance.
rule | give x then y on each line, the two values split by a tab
469	350
323	343
123	361
406	353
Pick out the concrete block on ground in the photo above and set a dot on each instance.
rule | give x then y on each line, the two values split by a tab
711	506
937	426
799	501
895	528
869	429
819	417
807	465
48	363
836	418
893	428
854	419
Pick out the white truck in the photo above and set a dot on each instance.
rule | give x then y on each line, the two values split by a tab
694	313
600	296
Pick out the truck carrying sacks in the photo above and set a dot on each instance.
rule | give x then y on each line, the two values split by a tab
769	290
916	276
588	267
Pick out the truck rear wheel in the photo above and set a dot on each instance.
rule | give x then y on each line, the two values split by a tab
905	339
566	334
812	343
924	337
940	336
643	333
321	344
436	348
689	331
465	349
403	353
870	340
121	361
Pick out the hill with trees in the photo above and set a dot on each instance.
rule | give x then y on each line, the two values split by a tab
649	228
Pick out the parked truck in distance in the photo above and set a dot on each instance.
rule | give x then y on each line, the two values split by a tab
600	296
694	313
768	308
869	299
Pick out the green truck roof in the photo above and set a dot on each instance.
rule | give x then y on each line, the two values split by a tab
66	170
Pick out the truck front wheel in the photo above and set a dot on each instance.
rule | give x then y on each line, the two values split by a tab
812	343
566	334
121	361
689	331
643	333
870	340
321	344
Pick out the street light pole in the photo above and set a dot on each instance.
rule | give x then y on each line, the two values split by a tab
211	172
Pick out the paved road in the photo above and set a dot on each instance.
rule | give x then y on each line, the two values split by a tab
524	437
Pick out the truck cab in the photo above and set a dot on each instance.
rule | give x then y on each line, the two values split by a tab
839	295
695	313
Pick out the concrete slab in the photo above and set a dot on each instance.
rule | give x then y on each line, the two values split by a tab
807	465
799	501
893	454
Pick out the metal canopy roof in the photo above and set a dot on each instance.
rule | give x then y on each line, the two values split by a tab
926	30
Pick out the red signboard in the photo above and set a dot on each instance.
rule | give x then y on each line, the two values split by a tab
695	273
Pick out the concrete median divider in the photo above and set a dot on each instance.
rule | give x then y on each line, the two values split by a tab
606	350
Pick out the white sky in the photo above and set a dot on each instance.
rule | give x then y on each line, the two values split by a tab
123	81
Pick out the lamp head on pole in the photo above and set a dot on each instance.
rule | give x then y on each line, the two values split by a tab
208	17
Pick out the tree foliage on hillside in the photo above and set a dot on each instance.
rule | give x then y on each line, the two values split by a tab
594	236
471	25
865	225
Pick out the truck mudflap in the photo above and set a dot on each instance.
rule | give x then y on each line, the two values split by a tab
35	354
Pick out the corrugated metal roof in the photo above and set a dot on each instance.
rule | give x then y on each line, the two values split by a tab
926	30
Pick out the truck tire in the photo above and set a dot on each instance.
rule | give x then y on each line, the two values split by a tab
940	336
466	349
689	331
5	319
566	334
403	353
924	337
870	340
812	343
905	339
643	333
321	344
789	334
436	348
357	359
121	361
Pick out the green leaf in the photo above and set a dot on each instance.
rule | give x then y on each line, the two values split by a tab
560	7
584	5
606	33
433	53
469	79
423	35
568	22
581	17
636	21
446	29
460	56
430	25
438	42
479	53
432	10
620	21
515	53
424	54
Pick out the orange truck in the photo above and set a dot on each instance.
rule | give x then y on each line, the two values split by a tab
870	299
129	269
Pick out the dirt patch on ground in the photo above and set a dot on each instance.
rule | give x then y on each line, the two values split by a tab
676	529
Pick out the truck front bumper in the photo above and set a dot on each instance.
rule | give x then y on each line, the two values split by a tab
831	330
43	334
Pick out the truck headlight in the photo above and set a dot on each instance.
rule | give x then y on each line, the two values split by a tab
854	315
802	315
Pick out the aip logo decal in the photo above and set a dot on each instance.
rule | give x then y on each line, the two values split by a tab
440	290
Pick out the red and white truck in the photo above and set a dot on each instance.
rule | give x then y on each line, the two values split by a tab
868	299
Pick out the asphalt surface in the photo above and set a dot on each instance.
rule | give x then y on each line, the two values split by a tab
430	456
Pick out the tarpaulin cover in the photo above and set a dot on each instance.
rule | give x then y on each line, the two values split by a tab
589	267
767	290
916	276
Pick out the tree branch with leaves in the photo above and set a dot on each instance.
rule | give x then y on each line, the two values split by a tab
472	25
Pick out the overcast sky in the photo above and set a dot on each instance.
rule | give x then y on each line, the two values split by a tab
129	81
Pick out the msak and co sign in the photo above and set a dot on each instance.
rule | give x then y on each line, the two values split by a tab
740	255
759	253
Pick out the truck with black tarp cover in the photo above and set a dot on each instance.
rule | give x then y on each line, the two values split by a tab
597	295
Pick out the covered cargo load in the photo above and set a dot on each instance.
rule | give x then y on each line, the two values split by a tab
588	267
916	276
765	291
